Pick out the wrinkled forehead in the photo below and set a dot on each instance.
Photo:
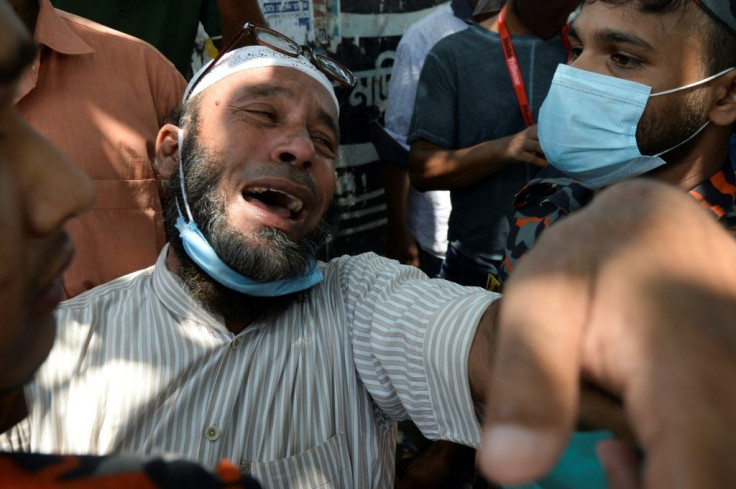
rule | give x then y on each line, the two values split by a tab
275	83
253	58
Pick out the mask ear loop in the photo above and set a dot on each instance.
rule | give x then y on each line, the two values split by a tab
691	85
700	129
694	84
180	138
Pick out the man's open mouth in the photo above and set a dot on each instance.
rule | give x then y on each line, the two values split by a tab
282	203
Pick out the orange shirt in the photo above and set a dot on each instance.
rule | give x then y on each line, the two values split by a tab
101	96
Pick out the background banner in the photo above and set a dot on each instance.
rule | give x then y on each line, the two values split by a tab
363	35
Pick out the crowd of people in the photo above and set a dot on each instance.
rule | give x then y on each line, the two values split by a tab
196	341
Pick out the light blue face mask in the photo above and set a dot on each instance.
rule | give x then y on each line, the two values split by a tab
587	126
202	253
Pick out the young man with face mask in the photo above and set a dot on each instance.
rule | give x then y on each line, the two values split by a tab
649	91
473	128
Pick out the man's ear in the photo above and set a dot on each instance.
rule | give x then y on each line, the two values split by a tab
167	151
723	111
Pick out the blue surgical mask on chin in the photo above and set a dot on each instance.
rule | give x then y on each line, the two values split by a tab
202	253
587	126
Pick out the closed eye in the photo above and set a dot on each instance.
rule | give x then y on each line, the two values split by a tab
325	146
264	114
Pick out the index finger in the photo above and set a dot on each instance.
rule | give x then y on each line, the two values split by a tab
533	394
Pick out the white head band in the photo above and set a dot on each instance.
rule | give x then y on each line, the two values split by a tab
250	57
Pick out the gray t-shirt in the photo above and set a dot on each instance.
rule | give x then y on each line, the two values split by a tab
465	97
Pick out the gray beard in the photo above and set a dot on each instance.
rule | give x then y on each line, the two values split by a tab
274	257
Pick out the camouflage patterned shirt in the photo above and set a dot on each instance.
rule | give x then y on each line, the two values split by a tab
551	196
40	471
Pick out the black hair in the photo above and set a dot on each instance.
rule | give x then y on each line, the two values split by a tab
719	41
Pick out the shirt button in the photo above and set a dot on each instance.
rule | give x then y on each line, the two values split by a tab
235	344
212	433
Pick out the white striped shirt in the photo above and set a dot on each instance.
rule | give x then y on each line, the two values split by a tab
306	400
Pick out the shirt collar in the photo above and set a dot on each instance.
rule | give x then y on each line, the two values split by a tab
172	293
717	193
53	32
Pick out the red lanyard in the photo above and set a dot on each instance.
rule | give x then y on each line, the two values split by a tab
513	65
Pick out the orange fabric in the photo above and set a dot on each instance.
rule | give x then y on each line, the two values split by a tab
523	221
715	208
229	473
53	477
697	196
101	97
719	181
507	263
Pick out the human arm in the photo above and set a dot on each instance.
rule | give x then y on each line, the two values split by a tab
636	293
411	337
438	158
235	13
401	245
391	145
432	167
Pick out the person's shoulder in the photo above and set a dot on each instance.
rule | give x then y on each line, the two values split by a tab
365	266
465	42
361	259
115	290
433	27
100	36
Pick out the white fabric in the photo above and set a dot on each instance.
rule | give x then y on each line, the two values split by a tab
427	212
305	400
249	57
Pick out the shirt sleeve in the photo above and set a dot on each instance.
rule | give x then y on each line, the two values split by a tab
402	89
434	118
167	87
411	339
542	202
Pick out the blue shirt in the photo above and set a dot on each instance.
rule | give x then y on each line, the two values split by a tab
465	97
